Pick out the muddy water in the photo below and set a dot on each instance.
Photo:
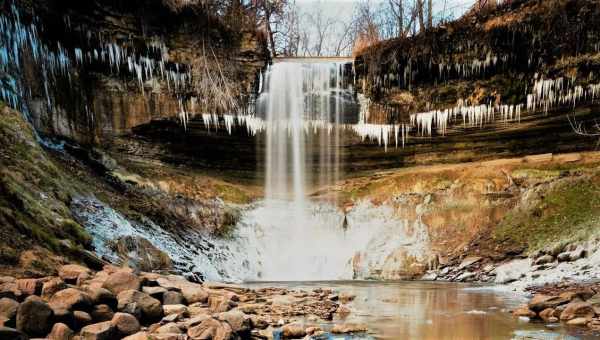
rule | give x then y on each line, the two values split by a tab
419	310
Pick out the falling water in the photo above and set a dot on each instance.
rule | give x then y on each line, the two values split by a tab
303	105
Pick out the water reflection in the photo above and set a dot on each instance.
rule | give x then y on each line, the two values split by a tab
421	310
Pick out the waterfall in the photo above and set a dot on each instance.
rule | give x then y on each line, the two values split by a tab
302	104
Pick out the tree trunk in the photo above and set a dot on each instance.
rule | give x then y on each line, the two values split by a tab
420	15
401	18
429	14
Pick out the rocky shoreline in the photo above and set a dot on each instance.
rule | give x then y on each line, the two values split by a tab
118	303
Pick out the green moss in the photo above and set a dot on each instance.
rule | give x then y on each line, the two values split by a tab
538	174
232	194
570	212
75	231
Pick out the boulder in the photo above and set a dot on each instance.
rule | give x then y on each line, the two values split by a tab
219	304
125	324
544	259
102	296
468	261
101	313
546	314
99	331
193	293
173	298
10	290
238	321
60	331
52	286
346	297
524	311
137	336
582	294
577	310
151	309
70	272
293	331
349	328
175	309
34	317
12	334
8	312
62	315
579	253
71	299
169	328
578	322
540	302
155	292
30	286
121	281
210	329
140	254
82	319
564	257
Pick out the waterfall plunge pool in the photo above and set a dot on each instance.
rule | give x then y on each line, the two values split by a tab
433	310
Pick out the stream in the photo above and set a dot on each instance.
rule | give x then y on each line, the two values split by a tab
428	310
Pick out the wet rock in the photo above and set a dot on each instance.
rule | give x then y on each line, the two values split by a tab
150	308
468	261
524	311
12	334
70	272
312	330
60	331
349	328
71	299
140	254
564	257
579	253
173	298
346	297
121	281
99	331
540	302
51	287
34	317
577	310
125	324
466	276
8	312
293	331
546	314
82	319
578	322
101	313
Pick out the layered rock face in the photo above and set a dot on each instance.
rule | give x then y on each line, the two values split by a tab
92	71
499	82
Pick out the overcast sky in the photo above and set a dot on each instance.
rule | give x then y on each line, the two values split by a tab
343	8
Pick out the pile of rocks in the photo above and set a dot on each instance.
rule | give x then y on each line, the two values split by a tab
117	303
578	306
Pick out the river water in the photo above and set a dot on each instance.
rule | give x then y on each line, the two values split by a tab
427	310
